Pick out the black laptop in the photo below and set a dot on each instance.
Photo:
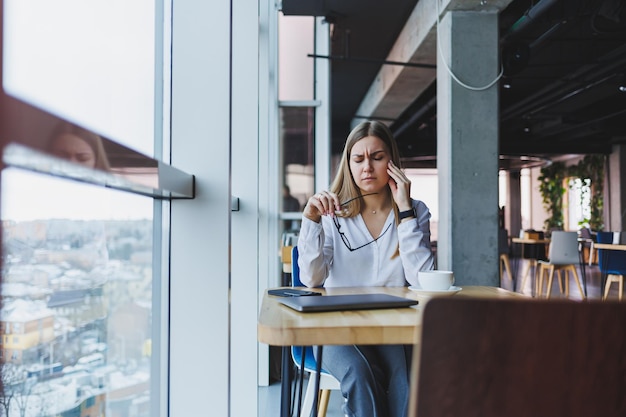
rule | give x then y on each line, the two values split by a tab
346	302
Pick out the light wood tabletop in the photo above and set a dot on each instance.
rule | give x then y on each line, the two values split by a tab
528	241
609	246
279	325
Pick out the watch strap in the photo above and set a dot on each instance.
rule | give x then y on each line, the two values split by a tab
407	213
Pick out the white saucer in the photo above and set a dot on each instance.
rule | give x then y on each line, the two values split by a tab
436	293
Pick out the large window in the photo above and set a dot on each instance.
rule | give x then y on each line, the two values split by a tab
298	154
76	298
81	301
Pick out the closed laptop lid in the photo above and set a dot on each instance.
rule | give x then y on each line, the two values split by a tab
346	302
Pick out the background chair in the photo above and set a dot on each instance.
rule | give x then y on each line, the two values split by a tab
612	264
503	249
519	358
533	253
587	240
327	381
563	256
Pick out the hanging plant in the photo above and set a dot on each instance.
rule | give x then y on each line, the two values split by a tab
552	191
590	170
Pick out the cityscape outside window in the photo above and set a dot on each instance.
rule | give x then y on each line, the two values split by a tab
76	299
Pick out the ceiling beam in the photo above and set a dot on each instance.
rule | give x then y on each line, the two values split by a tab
396	87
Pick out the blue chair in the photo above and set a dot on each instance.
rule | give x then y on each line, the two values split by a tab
612	264
327	381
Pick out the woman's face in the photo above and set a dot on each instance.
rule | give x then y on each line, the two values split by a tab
369	158
75	149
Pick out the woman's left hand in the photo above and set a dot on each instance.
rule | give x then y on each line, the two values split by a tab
400	187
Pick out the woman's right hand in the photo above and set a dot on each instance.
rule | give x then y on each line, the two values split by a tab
320	204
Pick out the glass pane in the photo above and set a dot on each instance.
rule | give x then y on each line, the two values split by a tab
88	62
76	298
298	146
295	68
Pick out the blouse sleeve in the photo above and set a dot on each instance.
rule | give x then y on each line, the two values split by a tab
315	255
414	241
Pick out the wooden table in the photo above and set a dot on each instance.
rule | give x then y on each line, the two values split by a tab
527	241
279	325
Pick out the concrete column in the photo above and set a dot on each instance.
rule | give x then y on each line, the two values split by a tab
467	146
514	204
615	190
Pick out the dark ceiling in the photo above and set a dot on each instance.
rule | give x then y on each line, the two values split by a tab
564	85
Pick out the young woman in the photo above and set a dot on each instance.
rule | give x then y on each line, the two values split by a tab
367	231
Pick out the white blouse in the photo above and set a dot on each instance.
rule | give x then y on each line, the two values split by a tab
325	261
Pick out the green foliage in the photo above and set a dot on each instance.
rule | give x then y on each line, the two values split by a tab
552	191
590	169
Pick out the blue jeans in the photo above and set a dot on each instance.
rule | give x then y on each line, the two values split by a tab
374	379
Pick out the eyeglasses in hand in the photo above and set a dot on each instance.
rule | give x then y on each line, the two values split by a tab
343	236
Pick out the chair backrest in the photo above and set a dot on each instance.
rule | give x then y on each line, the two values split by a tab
613	261
503	242
585	233
519	358
564	248
295	269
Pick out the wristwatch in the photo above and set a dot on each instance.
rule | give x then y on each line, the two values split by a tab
407	213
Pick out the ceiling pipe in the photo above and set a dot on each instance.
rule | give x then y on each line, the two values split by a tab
528	18
551	94
371	61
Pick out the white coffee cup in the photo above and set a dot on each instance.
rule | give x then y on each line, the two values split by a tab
435	280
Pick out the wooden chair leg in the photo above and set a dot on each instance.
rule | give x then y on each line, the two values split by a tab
580	287
539	281
536	268
525	275
323	406
620	287
504	261
607	286
559	278
550	277
592	253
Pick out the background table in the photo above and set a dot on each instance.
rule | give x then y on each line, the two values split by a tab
532	262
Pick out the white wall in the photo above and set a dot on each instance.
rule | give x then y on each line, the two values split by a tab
200	228
245	182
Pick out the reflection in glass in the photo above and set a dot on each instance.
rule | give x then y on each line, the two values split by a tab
78	145
42	142
76	299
